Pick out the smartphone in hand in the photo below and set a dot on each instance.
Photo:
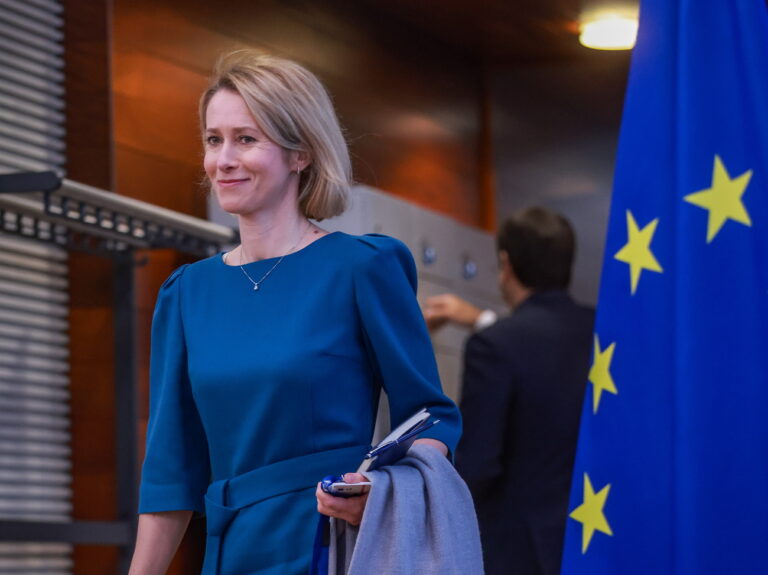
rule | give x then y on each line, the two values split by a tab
335	485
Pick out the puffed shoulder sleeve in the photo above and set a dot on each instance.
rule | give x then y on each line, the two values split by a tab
176	468
397	337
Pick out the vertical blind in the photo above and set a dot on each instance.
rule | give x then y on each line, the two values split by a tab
35	458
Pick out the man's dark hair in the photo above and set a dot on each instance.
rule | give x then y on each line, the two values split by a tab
540	245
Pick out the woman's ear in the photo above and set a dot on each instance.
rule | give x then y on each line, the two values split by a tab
302	159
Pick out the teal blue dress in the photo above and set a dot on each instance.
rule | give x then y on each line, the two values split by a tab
255	395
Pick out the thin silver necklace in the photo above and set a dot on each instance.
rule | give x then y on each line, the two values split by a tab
257	284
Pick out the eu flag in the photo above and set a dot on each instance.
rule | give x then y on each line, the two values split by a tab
671	472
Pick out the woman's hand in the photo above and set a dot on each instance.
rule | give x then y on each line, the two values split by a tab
350	509
437	444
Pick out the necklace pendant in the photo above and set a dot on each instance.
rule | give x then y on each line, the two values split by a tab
277	263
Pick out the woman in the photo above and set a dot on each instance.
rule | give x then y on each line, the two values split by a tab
267	361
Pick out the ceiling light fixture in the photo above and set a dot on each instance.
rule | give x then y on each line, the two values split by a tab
608	25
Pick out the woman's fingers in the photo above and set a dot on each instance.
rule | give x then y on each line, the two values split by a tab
354	477
350	509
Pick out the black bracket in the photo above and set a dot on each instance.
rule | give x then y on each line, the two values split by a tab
23	182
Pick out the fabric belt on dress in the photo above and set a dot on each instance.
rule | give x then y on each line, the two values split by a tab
226	497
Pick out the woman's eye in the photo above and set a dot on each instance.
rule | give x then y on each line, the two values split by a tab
246	139
212	140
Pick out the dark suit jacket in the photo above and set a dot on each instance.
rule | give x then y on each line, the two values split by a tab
524	381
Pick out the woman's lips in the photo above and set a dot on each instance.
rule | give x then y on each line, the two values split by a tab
231	182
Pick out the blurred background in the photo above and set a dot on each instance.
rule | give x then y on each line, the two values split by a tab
463	111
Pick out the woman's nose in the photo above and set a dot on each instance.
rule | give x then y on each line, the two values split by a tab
227	157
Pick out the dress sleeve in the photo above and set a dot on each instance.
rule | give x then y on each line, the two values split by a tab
176	469
397	338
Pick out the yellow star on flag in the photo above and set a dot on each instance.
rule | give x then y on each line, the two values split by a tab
637	251
600	373
722	199
590	513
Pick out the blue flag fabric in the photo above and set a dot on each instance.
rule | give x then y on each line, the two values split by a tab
671	472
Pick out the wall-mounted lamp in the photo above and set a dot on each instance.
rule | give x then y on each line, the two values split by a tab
608	24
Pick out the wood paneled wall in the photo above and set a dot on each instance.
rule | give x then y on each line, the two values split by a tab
89	160
410	106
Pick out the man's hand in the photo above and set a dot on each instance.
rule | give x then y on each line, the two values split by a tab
444	308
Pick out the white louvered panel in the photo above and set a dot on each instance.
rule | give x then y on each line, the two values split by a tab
32	377
35	453
27	432
53	6
34	463
19	107
39	23
35	510
32	348
40	86
35	458
43	12
31	86
35	558
34	406
28	377
39	42
49	127
17	163
36	449
32	320
41	293
22	260
24	477
22	247
30	95
37	491
41	73
33	421
31	364
32	53
31	548
29	391
34	152
31	67
24	135
16	432
33	305
26	333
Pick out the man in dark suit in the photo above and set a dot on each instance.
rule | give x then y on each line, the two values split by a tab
524	381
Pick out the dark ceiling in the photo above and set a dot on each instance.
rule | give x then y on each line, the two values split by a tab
496	31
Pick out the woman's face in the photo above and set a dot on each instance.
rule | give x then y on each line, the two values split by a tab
248	172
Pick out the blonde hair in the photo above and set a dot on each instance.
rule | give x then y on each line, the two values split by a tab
293	109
